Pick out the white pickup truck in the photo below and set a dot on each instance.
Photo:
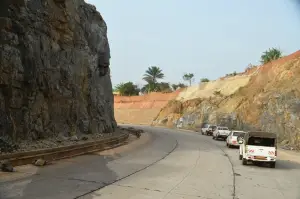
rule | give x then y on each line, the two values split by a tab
258	147
221	132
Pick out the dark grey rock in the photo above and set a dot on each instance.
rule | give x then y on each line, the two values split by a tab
6	166
74	138
54	65
84	138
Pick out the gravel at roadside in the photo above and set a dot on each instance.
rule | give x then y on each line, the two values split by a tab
60	141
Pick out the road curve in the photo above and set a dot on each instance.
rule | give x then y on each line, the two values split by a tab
175	164
200	167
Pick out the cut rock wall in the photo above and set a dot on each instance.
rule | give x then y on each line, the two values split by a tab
54	75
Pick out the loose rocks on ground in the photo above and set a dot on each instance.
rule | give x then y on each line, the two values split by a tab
6	166
40	162
134	131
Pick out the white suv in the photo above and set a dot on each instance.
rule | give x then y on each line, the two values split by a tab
204	129
232	138
221	132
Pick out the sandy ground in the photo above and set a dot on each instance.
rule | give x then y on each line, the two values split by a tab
227	87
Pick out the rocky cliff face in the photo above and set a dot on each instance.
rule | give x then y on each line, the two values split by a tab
54	75
269	102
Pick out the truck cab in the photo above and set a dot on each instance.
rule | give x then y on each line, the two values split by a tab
258	146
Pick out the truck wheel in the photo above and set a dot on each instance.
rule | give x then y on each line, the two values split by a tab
240	157
244	162
273	164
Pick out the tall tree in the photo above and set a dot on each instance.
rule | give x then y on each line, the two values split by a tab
188	77
270	55
151	76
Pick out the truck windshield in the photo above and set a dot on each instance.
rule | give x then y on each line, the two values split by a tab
258	141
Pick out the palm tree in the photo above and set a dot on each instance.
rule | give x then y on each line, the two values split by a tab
188	77
270	55
152	74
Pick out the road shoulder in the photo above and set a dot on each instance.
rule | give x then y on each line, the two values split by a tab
26	171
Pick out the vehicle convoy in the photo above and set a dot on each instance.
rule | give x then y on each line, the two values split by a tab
211	129
258	147
231	140
221	132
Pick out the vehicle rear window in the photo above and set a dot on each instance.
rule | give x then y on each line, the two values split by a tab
213	127
239	134
257	141
223	128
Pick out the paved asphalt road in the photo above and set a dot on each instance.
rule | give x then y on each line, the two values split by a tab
173	165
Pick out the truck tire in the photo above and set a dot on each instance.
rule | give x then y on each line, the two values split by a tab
272	164
244	161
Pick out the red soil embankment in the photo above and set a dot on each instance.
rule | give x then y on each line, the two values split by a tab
141	109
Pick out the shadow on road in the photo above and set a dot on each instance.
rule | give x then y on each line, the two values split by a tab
287	165
280	165
67	179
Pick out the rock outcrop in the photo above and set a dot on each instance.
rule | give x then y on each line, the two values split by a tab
54	75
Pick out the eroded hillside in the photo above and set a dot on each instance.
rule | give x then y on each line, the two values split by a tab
267	99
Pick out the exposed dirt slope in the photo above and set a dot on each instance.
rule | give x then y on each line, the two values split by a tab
269	101
226	86
141	109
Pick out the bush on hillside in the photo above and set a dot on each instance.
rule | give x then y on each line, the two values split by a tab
270	55
127	89
204	80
